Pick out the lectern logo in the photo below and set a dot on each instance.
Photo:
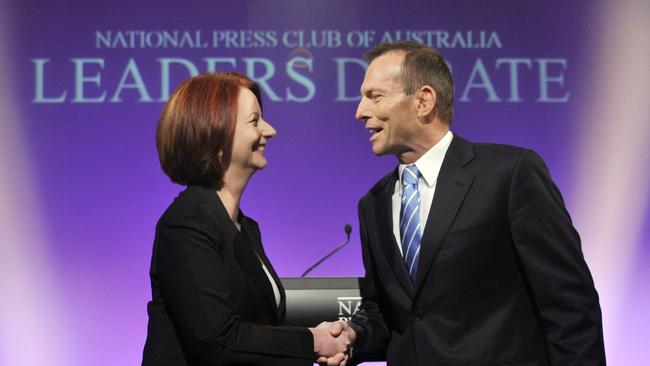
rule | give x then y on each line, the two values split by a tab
348	306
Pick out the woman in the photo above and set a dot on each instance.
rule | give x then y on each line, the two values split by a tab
216	298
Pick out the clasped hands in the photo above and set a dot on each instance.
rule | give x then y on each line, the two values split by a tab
332	342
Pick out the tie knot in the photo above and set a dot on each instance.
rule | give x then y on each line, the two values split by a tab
410	175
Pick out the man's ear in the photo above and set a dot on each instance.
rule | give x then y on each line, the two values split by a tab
425	99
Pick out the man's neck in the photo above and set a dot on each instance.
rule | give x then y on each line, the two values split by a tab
425	144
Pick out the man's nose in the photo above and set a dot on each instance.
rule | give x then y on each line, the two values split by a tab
362	111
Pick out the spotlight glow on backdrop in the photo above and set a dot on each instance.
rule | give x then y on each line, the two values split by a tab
81	189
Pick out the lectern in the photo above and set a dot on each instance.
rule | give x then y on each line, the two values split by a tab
316	299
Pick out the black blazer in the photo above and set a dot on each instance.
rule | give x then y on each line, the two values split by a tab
501	278
212	302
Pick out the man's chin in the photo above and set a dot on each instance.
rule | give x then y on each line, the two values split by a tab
378	151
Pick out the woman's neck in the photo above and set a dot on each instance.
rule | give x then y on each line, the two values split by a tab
231	192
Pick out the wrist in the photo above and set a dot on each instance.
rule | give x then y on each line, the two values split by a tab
314	334
352	334
356	331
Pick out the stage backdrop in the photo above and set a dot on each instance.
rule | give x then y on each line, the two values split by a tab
83	84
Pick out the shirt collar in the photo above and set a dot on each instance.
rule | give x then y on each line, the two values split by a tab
429	164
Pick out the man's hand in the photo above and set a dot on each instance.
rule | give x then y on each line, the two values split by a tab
339	330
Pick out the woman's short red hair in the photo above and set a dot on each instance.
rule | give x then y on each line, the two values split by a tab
196	128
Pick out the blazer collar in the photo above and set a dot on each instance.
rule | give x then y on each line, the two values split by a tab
210	196
249	258
252	231
384	219
452	186
247	250
454	181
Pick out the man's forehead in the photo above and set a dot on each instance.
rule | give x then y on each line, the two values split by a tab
388	62
384	72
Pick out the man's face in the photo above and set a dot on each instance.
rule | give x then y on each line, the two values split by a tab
389	114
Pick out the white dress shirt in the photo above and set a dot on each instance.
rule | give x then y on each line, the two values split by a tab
429	166
276	290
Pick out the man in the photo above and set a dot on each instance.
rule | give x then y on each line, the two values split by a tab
469	252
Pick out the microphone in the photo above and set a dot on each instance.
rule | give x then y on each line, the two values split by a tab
348	230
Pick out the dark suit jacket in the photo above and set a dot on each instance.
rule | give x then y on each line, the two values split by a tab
212	302
501	278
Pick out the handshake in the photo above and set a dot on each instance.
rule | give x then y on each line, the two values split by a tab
332	342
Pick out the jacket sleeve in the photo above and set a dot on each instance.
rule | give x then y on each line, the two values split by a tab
371	330
557	276
195	287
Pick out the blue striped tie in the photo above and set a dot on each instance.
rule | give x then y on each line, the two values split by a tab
410	227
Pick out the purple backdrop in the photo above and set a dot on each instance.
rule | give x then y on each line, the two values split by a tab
85	83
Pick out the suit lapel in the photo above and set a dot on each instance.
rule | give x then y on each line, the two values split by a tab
245	246
253	234
282	308
247	255
384	219
452	186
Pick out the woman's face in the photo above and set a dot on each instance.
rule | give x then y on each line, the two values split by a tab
252	133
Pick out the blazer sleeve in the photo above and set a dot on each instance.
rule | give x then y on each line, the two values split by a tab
557	276
371	330
195	287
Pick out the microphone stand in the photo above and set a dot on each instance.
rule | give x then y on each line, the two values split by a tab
348	230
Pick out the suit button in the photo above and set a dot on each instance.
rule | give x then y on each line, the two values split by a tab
417	315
